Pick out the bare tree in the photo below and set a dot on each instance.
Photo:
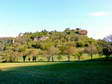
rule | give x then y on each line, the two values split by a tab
50	52
91	49
69	51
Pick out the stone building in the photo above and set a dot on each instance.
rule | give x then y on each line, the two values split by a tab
83	32
40	38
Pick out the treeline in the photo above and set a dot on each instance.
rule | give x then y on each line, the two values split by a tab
48	44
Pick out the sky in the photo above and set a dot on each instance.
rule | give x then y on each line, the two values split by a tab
19	16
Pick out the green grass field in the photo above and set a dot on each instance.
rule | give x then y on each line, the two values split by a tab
85	72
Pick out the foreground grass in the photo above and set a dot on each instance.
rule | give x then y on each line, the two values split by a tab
56	73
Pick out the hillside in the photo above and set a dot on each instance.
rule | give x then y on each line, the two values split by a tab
70	44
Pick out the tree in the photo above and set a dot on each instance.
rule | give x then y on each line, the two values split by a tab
91	49
24	58
100	45
70	50
29	58
107	46
46	54
16	55
79	53
107	50
32	53
50	52
10	56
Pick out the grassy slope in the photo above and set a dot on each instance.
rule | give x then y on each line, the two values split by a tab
56	73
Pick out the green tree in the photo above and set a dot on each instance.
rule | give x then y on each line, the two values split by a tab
107	50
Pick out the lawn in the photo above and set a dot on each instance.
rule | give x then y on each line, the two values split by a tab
85	72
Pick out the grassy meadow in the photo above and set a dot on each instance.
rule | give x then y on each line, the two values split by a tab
83	72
